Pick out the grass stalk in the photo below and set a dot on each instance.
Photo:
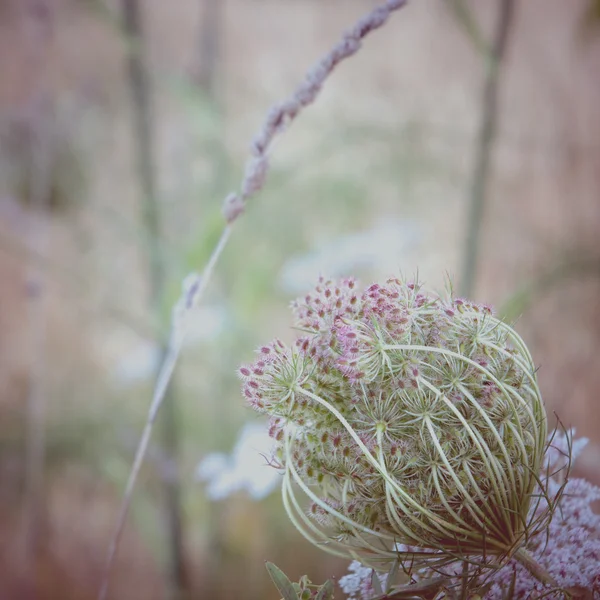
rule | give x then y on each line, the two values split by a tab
277	120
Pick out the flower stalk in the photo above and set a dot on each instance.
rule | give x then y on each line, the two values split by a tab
534	567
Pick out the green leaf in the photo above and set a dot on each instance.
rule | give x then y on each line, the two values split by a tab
391	576
282	583
325	591
376	584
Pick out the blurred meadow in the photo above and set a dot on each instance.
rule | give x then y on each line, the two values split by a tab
123	126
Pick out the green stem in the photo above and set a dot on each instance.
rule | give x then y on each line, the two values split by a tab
143	114
534	567
486	138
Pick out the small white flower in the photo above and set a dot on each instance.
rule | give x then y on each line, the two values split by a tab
563	448
380	247
133	362
246	469
357	578
358	583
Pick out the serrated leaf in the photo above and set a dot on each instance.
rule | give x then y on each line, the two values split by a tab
282	583
325	591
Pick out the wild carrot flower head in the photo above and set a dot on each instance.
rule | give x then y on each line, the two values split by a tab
568	550
417	420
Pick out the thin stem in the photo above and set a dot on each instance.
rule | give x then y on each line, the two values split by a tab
205	66
484	147
534	567
38	19
468	22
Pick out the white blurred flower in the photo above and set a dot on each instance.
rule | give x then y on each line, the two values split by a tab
383	247
245	469
564	448
132	361
139	365
204	324
358	583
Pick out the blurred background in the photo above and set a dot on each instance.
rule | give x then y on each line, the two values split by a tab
463	140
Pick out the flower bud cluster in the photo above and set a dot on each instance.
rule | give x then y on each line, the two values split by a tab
417	420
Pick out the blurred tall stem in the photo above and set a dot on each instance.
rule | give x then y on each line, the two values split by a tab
204	74
207	53
151	220
38	25
486	138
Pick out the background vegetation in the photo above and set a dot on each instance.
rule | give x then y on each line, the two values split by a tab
124	124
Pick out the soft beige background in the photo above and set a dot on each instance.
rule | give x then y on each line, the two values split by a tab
390	140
